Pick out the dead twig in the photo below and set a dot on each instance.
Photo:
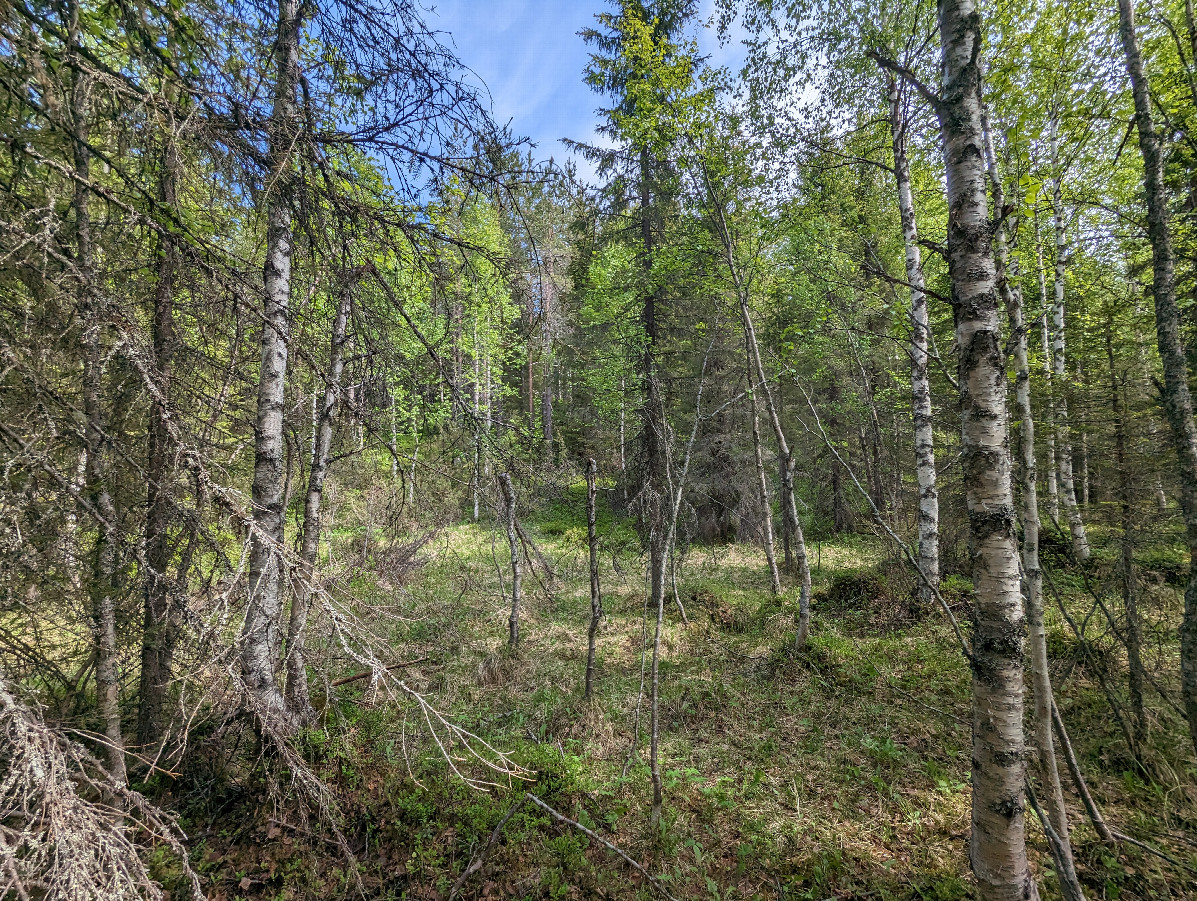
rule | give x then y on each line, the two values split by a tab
366	674
590	833
480	860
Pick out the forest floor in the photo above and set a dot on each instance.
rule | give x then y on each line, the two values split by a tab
838	774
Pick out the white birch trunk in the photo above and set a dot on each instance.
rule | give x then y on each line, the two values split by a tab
920	386
766	502
998	846
1072	512
1051	481
1049	774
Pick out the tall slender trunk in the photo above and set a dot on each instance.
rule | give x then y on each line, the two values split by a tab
1072	512
394	442
789	501
1008	283
548	302
160	624
513	544
260	638
1082	470
841	512
920	385
476	425
1130	600
103	587
656	488
998	847
530	386
297	678
623	458
1152	432
762	480
795	542
596	598
415	455
1052	480
1178	402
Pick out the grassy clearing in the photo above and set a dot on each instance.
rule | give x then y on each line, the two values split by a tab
841	774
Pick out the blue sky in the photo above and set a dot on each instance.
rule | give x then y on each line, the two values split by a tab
530	56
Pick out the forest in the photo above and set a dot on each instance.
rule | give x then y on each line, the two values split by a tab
789	492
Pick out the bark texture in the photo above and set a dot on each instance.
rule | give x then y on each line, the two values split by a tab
998	847
920	330
1048	771
159	631
1178	401
103	587
260	635
1051	481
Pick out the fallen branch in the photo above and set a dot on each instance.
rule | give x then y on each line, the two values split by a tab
365	674
478	862
598	838
1149	849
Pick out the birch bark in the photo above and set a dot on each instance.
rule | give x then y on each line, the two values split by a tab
920	329
998	846
1063	437
766	502
1048	770
1052	480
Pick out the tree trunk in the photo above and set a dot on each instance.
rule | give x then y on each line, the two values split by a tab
160	624
476	425
1048	771
513	543
657	471
920	385
789	502
394	441
596	598
103	587
998	846
415	455
1072	512
766	502
1052	479
548	301
260	633
297	679
841	511
623	458
1178	402
1134	627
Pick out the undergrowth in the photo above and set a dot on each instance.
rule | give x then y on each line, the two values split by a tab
841	773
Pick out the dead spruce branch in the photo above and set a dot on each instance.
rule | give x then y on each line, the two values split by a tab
70	831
